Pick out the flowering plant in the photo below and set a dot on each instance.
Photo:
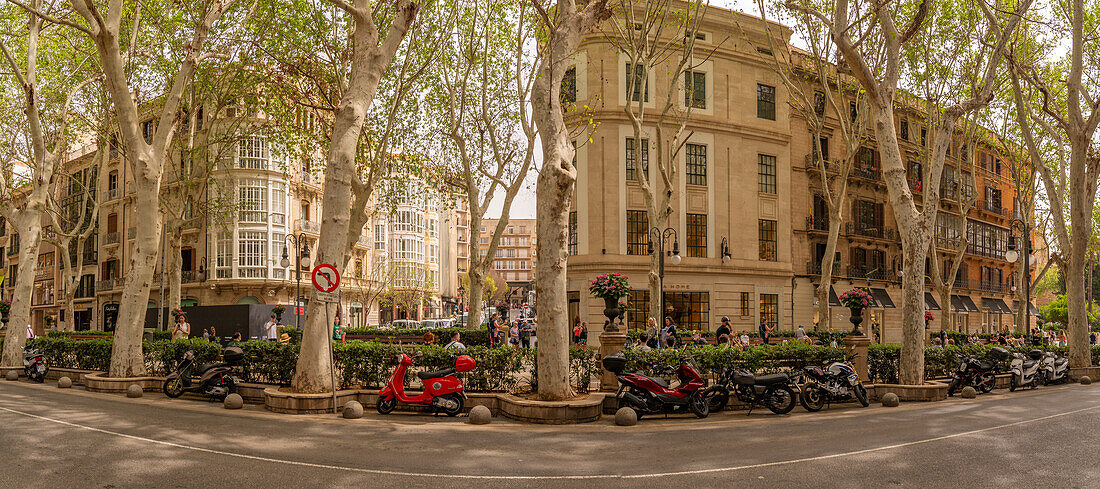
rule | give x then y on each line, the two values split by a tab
928	316
855	299
177	313
5	306
610	286
278	310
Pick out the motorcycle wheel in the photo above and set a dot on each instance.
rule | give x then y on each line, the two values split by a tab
861	394
386	404
43	371
230	384
953	387
781	401
717	397
699	405
812	398
987	382
458	403
173	386
1012	383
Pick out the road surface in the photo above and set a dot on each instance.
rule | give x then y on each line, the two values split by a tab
54	438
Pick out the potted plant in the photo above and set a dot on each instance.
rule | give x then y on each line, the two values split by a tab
610	287
927	318
278	311
856	300
5	308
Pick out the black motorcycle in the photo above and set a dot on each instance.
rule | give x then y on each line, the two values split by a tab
837	382
216	380
979	373
35	365
774	391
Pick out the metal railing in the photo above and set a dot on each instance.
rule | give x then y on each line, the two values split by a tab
817	223
105	285
814	268
113	193
871	273
860	229
867	173
112	238
307	226
992	207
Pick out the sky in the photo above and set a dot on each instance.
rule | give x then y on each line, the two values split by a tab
524	205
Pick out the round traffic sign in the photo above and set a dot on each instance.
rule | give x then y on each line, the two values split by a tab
325	277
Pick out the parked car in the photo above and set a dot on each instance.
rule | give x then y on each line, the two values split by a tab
405	324
464	318
438	323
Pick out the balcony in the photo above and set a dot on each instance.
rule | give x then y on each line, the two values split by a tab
105	285
994	287
814	268
112	238
872	273
860	229
130	233
307	226
813	164
308	178
867	173
915	186
991	207
817	223
113	194
192	223
363	241
191	276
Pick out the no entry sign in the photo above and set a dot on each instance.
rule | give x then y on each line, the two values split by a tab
325	277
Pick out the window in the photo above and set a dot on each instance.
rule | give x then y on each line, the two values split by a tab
380	236
637	233
868	217
278	203
569	86
252	153
637	309
769	309
866	160
923	136
225	255
631	167
765	101
147	131
697	235
819	103
746	308
766	170
253	200
252	254
915	175
637	84
695	89
690	310
853	111
696	164
764	51
278	241
769	240
824	142
572	233
112	185
905	129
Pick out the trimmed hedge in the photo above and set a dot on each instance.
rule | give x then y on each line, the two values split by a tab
715	359
882	359
161	356
470	337
823	337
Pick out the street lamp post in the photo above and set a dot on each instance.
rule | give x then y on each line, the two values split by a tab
661	237
1012	256
301	249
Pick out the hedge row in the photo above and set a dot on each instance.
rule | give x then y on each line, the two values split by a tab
161	356
824	337
716	359
882	360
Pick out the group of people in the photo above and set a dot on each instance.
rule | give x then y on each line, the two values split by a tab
517	334
653	338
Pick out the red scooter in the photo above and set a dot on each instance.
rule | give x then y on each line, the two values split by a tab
652	395
442	390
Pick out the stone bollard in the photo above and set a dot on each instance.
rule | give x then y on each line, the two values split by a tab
234	401
969	392
480	415
890	400
1085	380
610	342
134	390
12	375
64	382
353	410
626	417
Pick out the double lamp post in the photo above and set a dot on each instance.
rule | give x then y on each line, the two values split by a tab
1012	255
301	247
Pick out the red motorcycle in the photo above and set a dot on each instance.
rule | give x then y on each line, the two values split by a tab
652	395
442	390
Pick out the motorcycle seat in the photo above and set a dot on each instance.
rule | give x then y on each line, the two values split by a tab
209	366
435	374
1061	361
1028	364
771	379
659	381
986	365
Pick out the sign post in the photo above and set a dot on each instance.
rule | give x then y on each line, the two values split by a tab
326	280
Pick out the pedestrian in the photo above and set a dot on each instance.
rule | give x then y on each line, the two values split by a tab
744	339
1036	339
651	333
800	333
766	332
455	343
724	328
525	334
577	331
271	329
1092	338
697	338
943	337
206	334
669	333
236	337
513	335
30	332
182	329
492	329
584	331
643	343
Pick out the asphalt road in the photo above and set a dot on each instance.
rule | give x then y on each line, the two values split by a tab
53	438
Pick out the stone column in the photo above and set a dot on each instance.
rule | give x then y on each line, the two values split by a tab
612	342
858	345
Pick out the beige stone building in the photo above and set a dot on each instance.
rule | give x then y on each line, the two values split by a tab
514	259
746	203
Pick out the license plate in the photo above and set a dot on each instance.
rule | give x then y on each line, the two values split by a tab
853	377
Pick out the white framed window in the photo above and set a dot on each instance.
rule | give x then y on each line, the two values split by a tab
225	255
252	254
278	241
252	194
278	203
253	153
380	235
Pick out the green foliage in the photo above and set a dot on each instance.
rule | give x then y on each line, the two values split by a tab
941	362
160	356
268	362
716	359
1058	311
66	334
470	337
294	333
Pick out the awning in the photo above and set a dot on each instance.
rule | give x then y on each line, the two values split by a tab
995	306
1034	310
930	302
967	303
957	304
882	297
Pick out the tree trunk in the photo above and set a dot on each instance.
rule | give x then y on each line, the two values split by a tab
911	364
127	359
947	321
656	288
30	235
825	316
1077	329
476	280
555	191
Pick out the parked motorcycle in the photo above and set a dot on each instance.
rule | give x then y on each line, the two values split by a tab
1025	370
837	382
35	365
774	391
979	373
653	395
1054	369
442	390
216	380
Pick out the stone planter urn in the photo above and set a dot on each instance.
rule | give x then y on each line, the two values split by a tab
856	319
611	310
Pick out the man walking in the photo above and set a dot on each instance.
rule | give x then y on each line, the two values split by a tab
765	332
271	329
724	329
525	334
